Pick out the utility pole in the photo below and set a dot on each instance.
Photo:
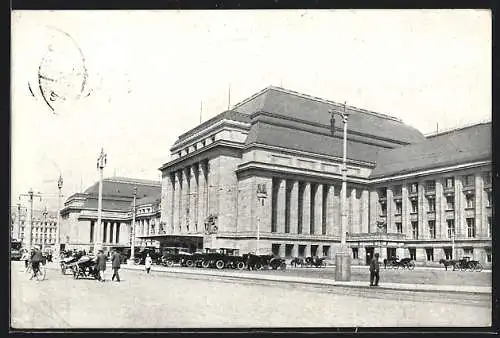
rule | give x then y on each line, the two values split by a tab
44	213
101	163
343	257
58	224
132	232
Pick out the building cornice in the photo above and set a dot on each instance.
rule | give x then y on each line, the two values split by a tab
214	128
290	170
282	150
428	172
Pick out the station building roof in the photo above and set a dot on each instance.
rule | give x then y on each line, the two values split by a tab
463	145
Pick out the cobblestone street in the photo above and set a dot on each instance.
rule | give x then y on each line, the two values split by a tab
176	301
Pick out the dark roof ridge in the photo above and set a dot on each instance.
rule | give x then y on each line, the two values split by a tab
318	99
117	179
452	130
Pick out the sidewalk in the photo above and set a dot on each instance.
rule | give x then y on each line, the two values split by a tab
321	281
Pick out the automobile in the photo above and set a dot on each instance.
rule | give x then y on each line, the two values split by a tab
176	255
221	258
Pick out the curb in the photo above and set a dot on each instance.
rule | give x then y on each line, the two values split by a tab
302	280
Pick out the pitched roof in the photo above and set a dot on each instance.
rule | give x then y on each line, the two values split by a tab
118	192
152	199
296	105
454	147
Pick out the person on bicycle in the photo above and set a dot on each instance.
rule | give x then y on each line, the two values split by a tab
36	259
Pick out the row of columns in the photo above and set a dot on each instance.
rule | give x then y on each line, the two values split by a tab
300	207
440	215
186	198
110	232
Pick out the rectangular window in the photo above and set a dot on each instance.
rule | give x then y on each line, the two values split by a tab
326	251
488	198
469	201
469	252
430	254
450	223
413	253
471	228
432	229
399	227
398	190
488	255
414	206
450	202
399	208
448	253
355	253
430	185
91	231
413	188
450	182
300	209
383	209
468	180
432	204
414	229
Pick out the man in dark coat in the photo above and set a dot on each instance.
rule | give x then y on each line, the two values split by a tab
374	270
115	264
101	264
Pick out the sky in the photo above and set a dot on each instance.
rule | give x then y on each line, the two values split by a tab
150	72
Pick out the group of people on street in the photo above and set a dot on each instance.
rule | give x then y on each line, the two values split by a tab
115	265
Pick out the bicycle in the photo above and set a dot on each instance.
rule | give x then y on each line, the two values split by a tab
38	275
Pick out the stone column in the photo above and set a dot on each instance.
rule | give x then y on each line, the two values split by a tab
391	225
374	211
306	208
282	249
193	198
440	213
318	209
336	210
295	250
307	251
185	198
294	208
330	211
167	200
405	206
423	226
365	212
177	200
479	203
202	192
117	233
281	203
460	228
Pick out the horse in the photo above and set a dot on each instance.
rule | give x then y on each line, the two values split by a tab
447	263
297	261
257	262
315	261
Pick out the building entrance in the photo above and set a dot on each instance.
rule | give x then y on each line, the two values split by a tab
369	254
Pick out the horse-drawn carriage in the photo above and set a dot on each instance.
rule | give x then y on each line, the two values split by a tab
68	259
84	267
464	264
396	263
314	261
258	262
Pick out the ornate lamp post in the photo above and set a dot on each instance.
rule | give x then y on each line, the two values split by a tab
342	257
58	225
261	196
131	260
101	163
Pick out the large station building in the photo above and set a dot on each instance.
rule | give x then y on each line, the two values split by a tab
271	168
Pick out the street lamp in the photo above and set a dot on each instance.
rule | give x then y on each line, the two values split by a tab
132	231
101	163
343	257
58	225
261	196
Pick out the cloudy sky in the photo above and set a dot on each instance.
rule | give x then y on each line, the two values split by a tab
148	72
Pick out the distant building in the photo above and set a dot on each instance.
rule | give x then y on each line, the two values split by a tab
43	231
79	215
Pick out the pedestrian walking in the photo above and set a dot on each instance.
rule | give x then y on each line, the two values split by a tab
374	271
25	257
115	264
148	263
101	264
